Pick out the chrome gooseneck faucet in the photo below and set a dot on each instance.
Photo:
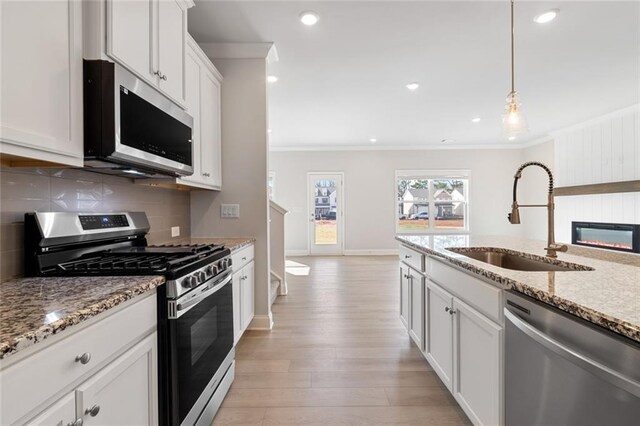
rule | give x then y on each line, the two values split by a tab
514	217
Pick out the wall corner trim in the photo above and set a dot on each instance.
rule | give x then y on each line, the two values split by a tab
261	322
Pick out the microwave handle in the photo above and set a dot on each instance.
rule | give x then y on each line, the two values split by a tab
182	308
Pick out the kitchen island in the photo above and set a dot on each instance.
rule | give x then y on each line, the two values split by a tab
608	295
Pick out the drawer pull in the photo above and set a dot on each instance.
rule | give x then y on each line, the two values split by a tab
78	422
407	256
84	358
93	411
244	258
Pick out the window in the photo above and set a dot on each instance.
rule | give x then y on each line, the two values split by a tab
432	201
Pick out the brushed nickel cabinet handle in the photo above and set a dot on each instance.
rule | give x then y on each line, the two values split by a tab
84	358
407	256
164	77
93	411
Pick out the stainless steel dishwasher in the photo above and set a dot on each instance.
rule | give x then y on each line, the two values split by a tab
561	370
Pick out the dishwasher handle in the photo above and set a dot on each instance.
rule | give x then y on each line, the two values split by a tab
592	366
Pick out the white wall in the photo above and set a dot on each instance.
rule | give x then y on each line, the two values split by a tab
370	191
606	149
244	172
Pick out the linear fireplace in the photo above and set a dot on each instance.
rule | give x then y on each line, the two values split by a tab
612	236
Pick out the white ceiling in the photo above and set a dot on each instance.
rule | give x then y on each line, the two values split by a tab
342	81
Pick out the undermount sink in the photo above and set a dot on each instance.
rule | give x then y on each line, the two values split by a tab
517	261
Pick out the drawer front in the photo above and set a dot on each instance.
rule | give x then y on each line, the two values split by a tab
241	257
412	258
33	381
473	291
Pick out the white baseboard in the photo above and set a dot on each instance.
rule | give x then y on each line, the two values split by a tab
296	253
376	252
261	322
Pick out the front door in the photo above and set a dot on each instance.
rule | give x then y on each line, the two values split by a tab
325	213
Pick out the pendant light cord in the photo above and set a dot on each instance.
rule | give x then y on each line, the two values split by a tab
513	67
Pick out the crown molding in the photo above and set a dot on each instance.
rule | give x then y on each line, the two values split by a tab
595	120
240	51
444	147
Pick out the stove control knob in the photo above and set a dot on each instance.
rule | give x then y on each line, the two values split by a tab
190	282
201	276
210	271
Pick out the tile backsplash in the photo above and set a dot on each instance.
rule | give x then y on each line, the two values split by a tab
45	189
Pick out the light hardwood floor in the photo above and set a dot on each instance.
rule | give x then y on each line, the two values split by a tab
338	354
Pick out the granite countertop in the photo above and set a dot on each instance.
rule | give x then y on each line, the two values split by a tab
33	309
233	243
608	296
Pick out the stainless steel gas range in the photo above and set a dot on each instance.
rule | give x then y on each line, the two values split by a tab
195	306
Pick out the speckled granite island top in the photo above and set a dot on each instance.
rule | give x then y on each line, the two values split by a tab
234	243
608	296
33	309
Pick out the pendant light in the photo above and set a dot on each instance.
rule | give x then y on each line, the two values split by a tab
514	122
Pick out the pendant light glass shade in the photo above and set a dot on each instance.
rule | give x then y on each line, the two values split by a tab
514	123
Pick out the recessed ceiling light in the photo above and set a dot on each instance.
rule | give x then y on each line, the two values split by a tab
476	120
373	140
511	138
309	18
547	16
447	140
272	79
413	86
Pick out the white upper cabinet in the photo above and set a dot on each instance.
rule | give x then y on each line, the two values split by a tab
172	43
203	85
130	35
148	37
41	80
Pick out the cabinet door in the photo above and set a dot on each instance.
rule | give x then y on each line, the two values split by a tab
172	42
193	71
124	392
130	36
440	332
62	413
247	295
404	295
477	360
237	306
211	136
416	317
41	80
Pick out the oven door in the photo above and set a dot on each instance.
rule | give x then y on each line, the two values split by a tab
201	336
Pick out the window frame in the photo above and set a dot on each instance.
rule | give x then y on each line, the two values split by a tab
431	175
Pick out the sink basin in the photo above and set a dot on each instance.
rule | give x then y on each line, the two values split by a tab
517	261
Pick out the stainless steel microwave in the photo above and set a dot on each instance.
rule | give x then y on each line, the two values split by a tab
131	129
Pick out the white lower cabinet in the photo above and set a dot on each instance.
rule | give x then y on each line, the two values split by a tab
62	413
464	349
412	307
439	326
404	295
103	373
477	359
125	391
243	290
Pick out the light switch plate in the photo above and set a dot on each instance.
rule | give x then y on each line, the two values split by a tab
229	210
175	231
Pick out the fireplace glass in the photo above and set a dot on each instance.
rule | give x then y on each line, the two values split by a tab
614	236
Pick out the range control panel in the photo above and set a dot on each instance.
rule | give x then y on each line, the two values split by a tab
90	222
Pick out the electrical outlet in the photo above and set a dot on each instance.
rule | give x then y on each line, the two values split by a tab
229	210
175	231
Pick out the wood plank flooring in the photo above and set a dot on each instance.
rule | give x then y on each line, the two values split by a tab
338	354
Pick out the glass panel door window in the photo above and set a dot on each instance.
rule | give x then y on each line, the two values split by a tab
431	202
325	213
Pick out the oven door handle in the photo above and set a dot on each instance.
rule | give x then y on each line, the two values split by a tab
182	308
